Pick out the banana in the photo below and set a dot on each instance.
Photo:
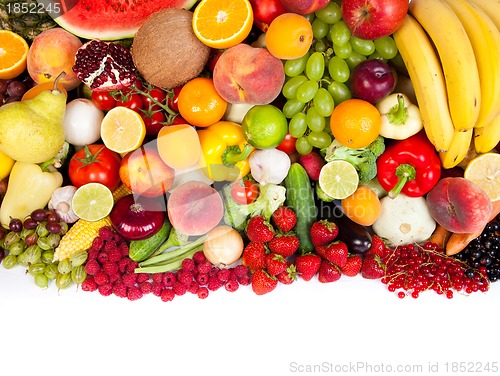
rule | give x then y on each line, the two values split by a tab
486	138
485	40
457	59
491	8
426	75
458	149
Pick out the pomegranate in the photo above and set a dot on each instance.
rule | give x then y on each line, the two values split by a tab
104	66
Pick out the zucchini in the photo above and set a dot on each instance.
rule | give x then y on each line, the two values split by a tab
300	198
140	250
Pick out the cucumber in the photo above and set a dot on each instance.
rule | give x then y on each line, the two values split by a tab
300	198
140	250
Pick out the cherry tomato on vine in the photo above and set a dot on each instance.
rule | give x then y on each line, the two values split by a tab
288	144
178	120
103	100
154	122
134	102
244	191
157	94
173	99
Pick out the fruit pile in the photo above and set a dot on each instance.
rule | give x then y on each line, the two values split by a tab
261	143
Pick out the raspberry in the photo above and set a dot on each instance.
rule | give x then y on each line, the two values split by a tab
213	272
89	284
102	257
169	278
202	279
97	244
123	263
188	264
204	267
245	280
92	267
146	287
142	277
184	277
123	248
179	288
214	283
110	246
115	278
93	253
129	279
223	275
114	255
101	278
167	295
131	267
120	290
157	277
157	288
202	292
193	287
231	285
105	233
106	289
240	270
110	268
134	293
199	257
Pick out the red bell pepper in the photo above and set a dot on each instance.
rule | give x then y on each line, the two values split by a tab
411	166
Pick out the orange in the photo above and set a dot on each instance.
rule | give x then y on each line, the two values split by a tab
363	206
355	123
289	36
37	89
13	54
122	130
200	104
222	23
179	146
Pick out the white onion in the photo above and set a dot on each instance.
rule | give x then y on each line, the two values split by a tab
82	122
223	246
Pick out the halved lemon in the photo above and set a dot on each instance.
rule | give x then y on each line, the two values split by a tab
92	202
122	130
222	23
484	170
338	179
13	54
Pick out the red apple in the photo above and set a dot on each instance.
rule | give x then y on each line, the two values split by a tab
372	80
304	6
265	11
373	19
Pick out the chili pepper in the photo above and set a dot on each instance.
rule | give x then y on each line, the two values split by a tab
225	151
410	166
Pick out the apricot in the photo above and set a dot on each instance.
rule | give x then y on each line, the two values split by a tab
52	52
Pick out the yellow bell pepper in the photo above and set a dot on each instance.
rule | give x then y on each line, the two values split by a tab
225	151
29	188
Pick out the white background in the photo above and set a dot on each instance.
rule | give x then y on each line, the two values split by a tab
72	332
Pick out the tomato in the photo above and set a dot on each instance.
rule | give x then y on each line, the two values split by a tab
288	144
173	98
134	102
95	163
157	94
244	192
178	120
103	100
154	121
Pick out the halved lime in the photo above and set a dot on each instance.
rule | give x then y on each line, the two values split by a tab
92	202
338	179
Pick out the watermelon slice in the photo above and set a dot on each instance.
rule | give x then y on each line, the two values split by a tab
108	19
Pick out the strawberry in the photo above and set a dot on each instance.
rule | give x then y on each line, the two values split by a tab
285	245
328	272
307	265
259	230
254	256
288	276
373	267
353	266
378	247
323	232
337	253
262	282
284	218
275	264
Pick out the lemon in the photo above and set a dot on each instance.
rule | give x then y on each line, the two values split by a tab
122	130
264	126
92	202
338	179
484	170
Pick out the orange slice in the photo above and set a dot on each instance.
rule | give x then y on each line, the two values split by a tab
222	23
122	130
13	54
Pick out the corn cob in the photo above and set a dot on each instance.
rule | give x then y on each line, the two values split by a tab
81	235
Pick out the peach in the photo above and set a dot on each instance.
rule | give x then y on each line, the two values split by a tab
246	74
304	6
52	52
459	205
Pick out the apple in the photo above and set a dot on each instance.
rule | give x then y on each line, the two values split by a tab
373	19
371	80
265	11
304	7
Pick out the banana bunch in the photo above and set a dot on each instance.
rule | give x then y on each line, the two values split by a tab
451	49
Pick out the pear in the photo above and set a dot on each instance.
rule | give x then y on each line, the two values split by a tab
32	131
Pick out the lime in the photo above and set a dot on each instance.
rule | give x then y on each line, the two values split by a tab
92	201
338	179
264	126
484	170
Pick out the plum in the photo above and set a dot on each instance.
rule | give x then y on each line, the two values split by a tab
459	205
371	80
194	208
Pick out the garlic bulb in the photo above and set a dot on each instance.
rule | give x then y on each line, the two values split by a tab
60	202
